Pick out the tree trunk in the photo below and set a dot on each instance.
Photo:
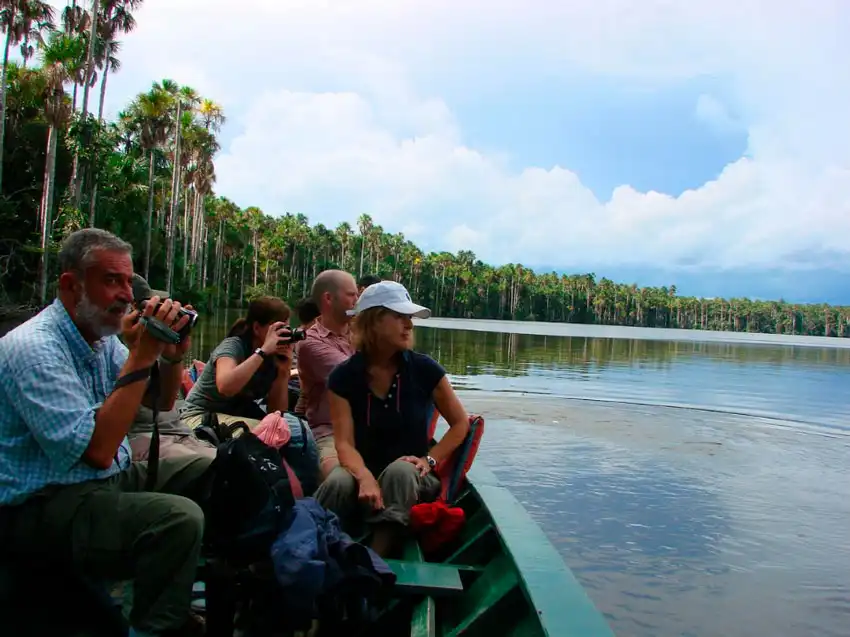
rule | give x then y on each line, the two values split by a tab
256	253
205	255
93	204
150	217
187	197
3	95
102	91
175	198
95	7
227	284
47	209
242	283
76	172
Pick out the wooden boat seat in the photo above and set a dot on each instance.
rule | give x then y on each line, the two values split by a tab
426	578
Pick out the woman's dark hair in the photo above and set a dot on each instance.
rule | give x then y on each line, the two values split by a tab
306	310
368	279
264	310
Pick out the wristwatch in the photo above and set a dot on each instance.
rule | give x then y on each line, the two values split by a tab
259	352
431	462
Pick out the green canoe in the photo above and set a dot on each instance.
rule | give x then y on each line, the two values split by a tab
503	577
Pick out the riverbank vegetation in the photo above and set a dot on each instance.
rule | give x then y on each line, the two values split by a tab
149	176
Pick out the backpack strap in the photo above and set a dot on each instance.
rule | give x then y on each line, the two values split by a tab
233	427
303	428
207	434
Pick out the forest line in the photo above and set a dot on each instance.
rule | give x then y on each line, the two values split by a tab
149	176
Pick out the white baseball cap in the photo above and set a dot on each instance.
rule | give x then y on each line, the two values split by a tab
391	295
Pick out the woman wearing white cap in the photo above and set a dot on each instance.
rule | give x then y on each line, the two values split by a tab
381	400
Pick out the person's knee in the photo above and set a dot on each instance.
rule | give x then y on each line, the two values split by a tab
399	487
328	459
339	481
400	471
180	520
327	466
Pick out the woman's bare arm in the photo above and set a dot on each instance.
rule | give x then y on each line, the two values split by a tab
450	407
231	378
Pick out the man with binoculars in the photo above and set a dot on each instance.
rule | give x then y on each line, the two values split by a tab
69	392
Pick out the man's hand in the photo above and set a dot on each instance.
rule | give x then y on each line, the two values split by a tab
178	350
419	463
143	346
370	492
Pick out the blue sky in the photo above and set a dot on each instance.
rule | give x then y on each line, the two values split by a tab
702	142
608	132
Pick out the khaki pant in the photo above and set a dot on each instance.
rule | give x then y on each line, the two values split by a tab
401	488
328	459
223	419
111	529
170	446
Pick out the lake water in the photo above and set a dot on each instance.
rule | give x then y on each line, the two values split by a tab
695	487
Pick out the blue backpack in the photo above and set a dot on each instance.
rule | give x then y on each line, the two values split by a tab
301	453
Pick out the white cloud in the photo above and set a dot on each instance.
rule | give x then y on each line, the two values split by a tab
335	110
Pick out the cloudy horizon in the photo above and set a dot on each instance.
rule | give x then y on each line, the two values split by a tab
699	139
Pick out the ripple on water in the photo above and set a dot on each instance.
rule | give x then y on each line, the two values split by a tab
748	540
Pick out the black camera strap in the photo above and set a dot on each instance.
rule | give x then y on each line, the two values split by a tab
154	388
151	374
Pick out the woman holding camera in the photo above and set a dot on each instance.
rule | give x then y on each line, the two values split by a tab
254	362
381	401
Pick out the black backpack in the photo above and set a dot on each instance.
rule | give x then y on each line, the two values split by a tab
249	499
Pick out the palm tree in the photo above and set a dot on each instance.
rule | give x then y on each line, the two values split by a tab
37	20
211	115
88	79
152	112
23	21
364	227
58	58
115	18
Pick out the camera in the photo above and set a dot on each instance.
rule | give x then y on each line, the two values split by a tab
183	333
290	336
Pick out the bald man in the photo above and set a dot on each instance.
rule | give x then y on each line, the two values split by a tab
327	344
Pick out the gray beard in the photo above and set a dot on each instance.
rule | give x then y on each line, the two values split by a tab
93	318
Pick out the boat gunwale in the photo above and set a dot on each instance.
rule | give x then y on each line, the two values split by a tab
561	604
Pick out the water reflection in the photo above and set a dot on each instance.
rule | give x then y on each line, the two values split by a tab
786	383
688	545
468	352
